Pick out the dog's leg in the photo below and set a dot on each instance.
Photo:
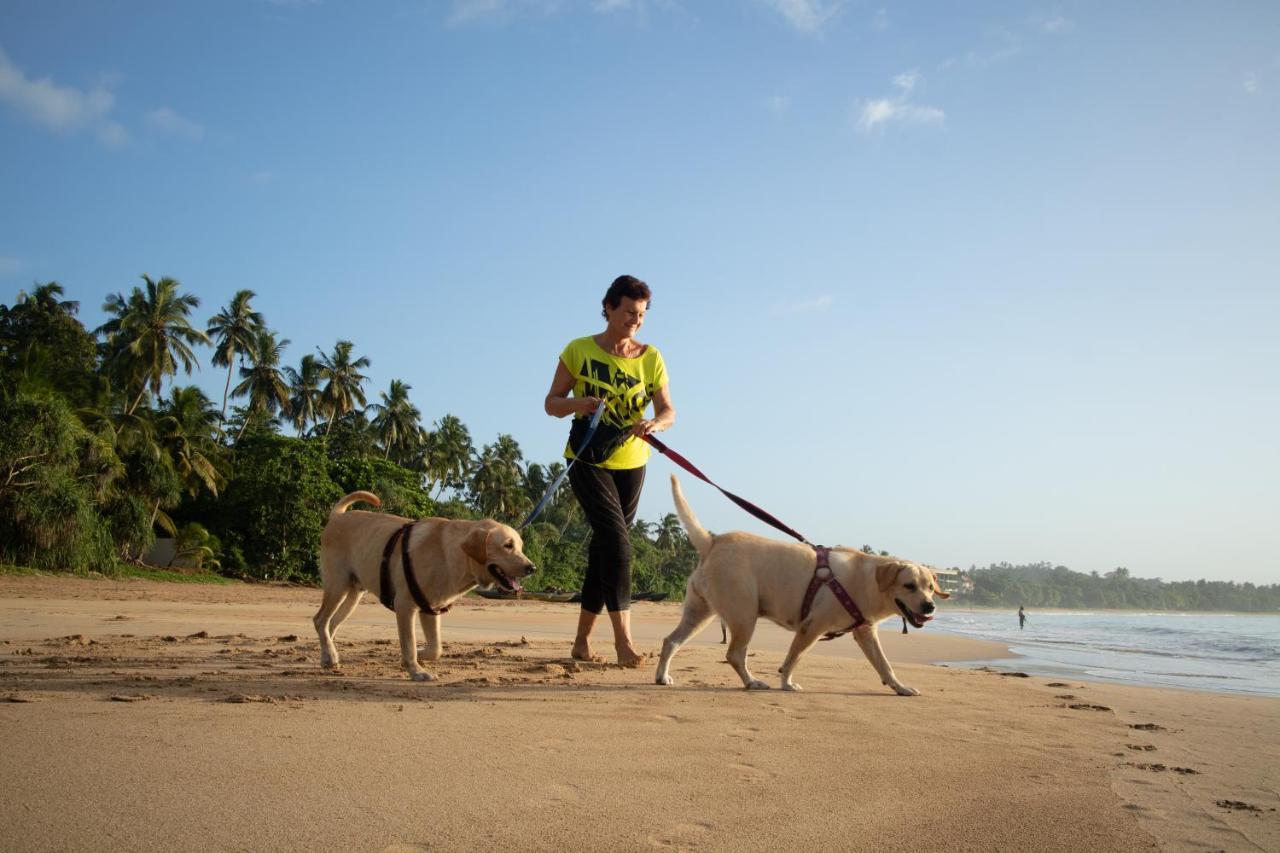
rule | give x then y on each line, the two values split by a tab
431	634
869	641
800	643
740	632
333	598
353	598
409	641
697	613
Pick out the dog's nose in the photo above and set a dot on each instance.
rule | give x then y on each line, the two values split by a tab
530	569
927	608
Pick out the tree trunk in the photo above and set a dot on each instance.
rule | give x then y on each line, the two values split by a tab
138	400
225	391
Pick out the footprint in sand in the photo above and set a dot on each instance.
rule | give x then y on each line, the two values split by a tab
682	836
1085	706
751	773
1144	747
1147	727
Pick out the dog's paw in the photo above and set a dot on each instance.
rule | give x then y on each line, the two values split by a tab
665	680
422	676
330	664
791	685
757	684
904	690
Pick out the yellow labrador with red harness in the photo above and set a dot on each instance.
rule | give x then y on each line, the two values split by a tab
742	577
416	567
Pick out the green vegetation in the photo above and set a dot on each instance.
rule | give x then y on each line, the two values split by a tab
1046	585
96	460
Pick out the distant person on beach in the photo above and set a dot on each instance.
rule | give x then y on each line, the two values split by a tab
614	370
1022	618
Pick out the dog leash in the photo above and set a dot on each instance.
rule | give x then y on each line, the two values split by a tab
551	489
747	505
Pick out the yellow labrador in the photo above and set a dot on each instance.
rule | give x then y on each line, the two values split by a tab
742	577
444	559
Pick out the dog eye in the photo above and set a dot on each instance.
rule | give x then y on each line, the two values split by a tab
910	587
509	546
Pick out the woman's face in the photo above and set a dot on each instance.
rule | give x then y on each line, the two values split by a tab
628	317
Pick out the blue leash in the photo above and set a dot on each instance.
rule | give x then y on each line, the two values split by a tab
551	490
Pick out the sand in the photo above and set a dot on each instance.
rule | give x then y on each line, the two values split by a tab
146	716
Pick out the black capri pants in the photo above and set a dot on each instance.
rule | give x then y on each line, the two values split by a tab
609	499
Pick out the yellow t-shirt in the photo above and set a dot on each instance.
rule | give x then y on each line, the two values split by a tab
626	385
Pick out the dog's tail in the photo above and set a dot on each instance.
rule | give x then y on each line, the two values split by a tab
355	497
698	534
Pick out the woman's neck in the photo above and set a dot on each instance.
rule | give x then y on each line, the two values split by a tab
616	344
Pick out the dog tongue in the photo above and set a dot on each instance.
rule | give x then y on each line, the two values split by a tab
515	584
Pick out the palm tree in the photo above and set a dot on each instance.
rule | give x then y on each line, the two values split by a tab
149	334
186	430
449	454
496	484
397	422
669	534
304	393
344	383
235	332
45	297
263	382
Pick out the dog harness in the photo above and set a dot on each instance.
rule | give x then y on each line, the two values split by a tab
823	576
387	592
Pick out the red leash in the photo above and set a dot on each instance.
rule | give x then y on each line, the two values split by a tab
742	502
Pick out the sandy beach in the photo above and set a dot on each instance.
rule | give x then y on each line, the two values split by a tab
145	716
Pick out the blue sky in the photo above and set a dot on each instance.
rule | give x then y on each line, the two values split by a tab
969	282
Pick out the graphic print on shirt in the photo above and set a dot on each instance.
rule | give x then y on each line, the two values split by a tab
624	398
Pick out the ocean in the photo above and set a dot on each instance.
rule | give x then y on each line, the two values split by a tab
1228	653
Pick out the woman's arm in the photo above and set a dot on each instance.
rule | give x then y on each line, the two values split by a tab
664	413
559	403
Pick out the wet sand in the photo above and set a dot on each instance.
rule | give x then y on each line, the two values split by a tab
147	716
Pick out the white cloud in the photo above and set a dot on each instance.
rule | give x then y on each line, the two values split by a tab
60	108
167	120
490	11
778	104
805	306
898	108
1056	25
113	135
806	16
1251	83
607	6
264	176
880	20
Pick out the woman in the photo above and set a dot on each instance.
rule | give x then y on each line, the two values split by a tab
614	370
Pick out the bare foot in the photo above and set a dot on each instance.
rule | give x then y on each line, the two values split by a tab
582	651
629	657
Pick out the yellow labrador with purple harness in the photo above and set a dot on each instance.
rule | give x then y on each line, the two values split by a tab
742	577
415	567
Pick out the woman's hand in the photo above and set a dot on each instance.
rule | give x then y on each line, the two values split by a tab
642	428
586	405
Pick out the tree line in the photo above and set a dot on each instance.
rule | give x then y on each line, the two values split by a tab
1047	585
101	448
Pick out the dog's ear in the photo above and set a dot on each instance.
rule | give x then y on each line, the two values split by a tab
476	545
937	587
886	575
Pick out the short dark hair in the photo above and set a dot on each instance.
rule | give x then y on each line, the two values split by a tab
624	285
